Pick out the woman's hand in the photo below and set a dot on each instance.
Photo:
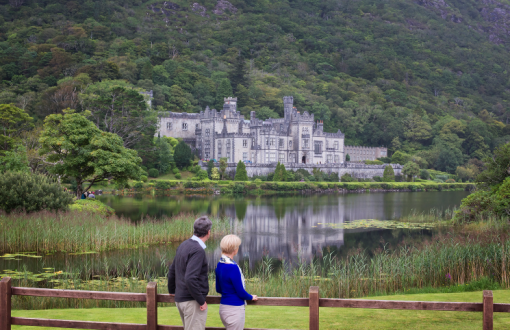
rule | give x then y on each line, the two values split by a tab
254	298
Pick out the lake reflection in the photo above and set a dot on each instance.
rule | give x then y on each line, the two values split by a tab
291	227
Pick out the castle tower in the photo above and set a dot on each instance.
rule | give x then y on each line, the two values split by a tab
288	102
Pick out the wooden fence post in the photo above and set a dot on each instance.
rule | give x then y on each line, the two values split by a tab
488	309
152	306
314	307
5	303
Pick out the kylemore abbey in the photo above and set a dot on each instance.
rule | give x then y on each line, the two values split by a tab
295	138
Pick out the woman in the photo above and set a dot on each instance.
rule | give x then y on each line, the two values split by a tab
230	284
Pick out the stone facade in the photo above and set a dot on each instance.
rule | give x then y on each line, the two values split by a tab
296	138
359	154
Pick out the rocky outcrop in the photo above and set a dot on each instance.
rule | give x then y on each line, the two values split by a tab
199	9
222	6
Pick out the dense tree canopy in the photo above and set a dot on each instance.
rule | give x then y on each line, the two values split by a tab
81	151
418	77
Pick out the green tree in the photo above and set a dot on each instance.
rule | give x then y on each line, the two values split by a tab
388	174
178	100
238	74
79	150
280	174
24	191
15	160
224	90
416	129
182	155
164	155
223	167
265	113
215	174
411	169
210	166
119	108
347	158
241	174
400	157
13	121
497	168
449	159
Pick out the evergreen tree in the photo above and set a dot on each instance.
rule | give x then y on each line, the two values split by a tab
223	167
182	155
347	158
389	174
164	155
224	90
241	174
238	74
280	174
210	166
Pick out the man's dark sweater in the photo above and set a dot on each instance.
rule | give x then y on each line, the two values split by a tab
187	278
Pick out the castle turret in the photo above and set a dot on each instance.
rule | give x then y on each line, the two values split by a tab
288	102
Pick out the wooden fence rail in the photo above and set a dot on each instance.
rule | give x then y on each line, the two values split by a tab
313	302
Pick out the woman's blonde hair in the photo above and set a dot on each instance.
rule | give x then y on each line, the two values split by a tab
229	244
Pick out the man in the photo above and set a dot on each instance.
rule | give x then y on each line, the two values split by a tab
187	278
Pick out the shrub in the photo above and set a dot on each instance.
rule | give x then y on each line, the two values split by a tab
175	170
373	162
162	185
138	185
194	169
257	181
377	179
153	173
143	178
178	176
202	174
239	188
215	174
347	178
333	177
347	158
92	206
424	174
31	192
450	181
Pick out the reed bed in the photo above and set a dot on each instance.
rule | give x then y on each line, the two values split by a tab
75	231
451	262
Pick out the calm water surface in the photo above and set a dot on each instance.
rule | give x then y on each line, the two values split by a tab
276	227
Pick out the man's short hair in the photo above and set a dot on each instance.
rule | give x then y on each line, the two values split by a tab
202	226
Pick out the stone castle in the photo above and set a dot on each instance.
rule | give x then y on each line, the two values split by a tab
297	138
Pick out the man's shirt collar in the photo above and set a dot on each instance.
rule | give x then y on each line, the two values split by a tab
195	238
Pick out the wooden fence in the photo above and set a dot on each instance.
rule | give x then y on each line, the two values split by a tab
313	302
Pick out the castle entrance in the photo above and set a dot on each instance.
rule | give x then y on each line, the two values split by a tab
303	160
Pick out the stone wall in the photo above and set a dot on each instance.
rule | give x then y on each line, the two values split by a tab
355	169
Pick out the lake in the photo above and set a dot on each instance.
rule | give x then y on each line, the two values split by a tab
293	228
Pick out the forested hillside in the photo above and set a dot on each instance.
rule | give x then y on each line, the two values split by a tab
428	78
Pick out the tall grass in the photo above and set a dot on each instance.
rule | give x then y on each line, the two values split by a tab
449	262
75	231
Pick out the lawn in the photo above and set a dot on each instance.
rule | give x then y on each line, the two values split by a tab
297	317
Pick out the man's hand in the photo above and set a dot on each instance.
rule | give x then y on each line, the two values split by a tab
203	307
255	298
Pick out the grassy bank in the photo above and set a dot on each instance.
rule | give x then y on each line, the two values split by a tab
297	317
76	231
175	187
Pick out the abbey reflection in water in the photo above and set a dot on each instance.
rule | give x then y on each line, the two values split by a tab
285	227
